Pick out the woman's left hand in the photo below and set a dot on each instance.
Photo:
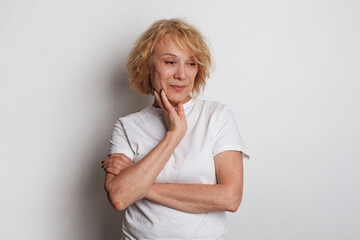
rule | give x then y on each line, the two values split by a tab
116	163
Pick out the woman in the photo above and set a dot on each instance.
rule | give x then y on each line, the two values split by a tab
175	166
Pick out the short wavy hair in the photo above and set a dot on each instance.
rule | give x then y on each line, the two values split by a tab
187	38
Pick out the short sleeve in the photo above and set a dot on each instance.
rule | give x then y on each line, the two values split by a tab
227	135
119	142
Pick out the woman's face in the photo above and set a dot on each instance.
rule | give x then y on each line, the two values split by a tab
172	70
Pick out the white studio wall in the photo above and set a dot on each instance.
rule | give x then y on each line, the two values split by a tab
289	70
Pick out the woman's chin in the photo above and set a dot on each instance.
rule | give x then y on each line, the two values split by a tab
175	101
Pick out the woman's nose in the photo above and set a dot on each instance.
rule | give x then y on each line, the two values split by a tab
180	73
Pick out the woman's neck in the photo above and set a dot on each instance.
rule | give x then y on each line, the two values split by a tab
174	104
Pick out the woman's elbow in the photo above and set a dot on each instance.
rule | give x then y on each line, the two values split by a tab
234	207
116	198
119	206
234	201
117	201
122	196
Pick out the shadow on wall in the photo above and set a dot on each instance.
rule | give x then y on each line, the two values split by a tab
108	221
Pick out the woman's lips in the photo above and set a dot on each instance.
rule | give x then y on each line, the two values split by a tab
178	88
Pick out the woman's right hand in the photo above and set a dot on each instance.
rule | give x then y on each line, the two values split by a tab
127	183
175	120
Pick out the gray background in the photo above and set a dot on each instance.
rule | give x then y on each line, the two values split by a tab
289	70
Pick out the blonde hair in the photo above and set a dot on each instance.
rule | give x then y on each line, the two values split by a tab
187	38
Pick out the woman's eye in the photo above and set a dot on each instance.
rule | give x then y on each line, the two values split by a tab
192	64
169	62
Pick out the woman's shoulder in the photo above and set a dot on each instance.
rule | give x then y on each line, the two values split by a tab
140	115
210	105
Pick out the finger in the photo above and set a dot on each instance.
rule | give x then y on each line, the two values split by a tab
123	159
113	162
127	158
106	165
116	167
158	100
118	163
121	166
106	162
114	171
180	110
166	102
111	168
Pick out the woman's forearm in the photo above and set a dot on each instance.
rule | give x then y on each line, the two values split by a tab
196	198
226	195
135	182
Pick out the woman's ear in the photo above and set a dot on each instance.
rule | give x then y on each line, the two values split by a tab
152	89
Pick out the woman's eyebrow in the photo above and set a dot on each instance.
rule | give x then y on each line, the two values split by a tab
173	55
170	54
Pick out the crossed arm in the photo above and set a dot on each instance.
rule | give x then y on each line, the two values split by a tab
126	182
226	195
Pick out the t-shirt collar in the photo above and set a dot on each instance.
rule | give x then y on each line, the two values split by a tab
186	106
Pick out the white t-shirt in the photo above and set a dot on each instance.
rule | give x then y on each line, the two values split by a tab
211	129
